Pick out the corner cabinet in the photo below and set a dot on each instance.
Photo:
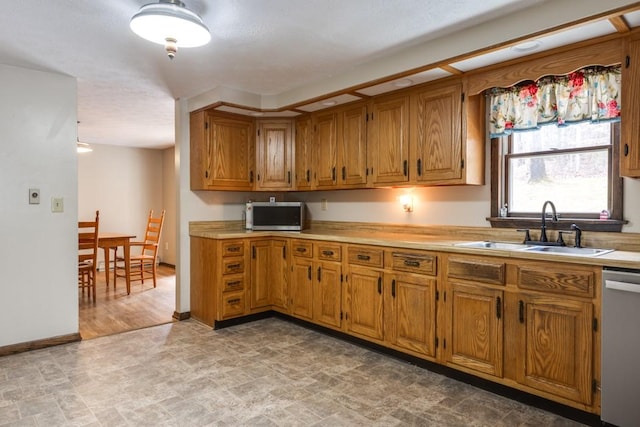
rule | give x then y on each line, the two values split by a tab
222	151
630	123
274	155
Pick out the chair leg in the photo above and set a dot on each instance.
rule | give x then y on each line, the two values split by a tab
154	274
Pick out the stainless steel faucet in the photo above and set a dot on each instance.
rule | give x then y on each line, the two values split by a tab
554	218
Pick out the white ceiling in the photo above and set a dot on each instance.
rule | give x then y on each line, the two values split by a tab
127	86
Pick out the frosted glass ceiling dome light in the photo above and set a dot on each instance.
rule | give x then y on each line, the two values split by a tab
171	24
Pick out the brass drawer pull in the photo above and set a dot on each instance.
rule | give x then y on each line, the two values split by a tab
235	283
364	257
301	249
234	266
327	253
233	249
411	263
233	301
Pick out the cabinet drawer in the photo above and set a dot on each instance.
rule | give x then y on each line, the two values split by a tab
232	265
232	248
414	262
302	249
330	252
232	283
477	270
366	256
233	304
557	279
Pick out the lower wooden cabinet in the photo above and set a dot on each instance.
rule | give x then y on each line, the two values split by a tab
475	329
411	303
365	302
555	345
316	282
531	325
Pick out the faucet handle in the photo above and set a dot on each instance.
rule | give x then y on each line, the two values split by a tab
527	236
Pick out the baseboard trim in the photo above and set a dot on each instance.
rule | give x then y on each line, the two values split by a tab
166	264
39	344
181	316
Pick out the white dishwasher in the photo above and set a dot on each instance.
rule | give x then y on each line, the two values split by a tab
620	383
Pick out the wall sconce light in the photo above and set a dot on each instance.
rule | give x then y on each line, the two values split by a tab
407	203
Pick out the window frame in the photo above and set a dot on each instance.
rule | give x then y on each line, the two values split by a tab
499	188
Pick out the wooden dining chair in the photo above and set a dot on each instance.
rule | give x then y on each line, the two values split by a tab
143	261
87	255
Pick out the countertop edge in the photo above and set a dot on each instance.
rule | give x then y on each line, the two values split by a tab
621	259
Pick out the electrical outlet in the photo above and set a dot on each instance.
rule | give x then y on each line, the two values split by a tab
166	246
57	204
34	196
323	204
272	199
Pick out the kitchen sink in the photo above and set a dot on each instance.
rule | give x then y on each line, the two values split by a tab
560	250
567	250
494	245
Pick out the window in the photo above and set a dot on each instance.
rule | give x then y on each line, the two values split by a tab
556	139
573	166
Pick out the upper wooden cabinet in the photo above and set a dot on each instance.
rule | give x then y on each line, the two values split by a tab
326	149
388	142
304	153
447	136
352	146
274	155
630	123
222	151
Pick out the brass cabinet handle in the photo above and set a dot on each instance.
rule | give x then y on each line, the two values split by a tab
301	249
364	257
411	263
233	301
233	249
393	288
499	307
327	253
380	285
233	266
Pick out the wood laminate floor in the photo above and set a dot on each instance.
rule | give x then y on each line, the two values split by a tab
114	311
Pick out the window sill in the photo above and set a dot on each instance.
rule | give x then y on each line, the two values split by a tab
608	225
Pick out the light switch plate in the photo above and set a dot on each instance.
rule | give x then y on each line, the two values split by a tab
57	204
34	196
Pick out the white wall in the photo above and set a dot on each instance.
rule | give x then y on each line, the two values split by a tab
123	183
38	254
169	243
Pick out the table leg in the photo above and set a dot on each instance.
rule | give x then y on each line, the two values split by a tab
106	264
127	265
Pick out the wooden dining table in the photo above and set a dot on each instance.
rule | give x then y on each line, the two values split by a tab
107	241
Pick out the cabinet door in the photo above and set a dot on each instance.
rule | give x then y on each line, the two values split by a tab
279	273
353	146
327	293
230	156
556	346
436	134
388	150
630	123
260	278
475	328
301	288
326	148
365	300
304	153
274	155
199	150
413	312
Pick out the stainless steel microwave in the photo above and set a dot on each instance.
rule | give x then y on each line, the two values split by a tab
284	216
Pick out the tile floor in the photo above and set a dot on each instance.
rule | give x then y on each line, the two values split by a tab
266	373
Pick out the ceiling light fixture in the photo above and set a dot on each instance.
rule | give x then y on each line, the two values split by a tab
171	24
83	147
527	46
403	83
329	103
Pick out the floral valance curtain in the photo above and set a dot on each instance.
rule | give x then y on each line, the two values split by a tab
589	94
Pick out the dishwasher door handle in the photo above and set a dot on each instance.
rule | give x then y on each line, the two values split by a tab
622	286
